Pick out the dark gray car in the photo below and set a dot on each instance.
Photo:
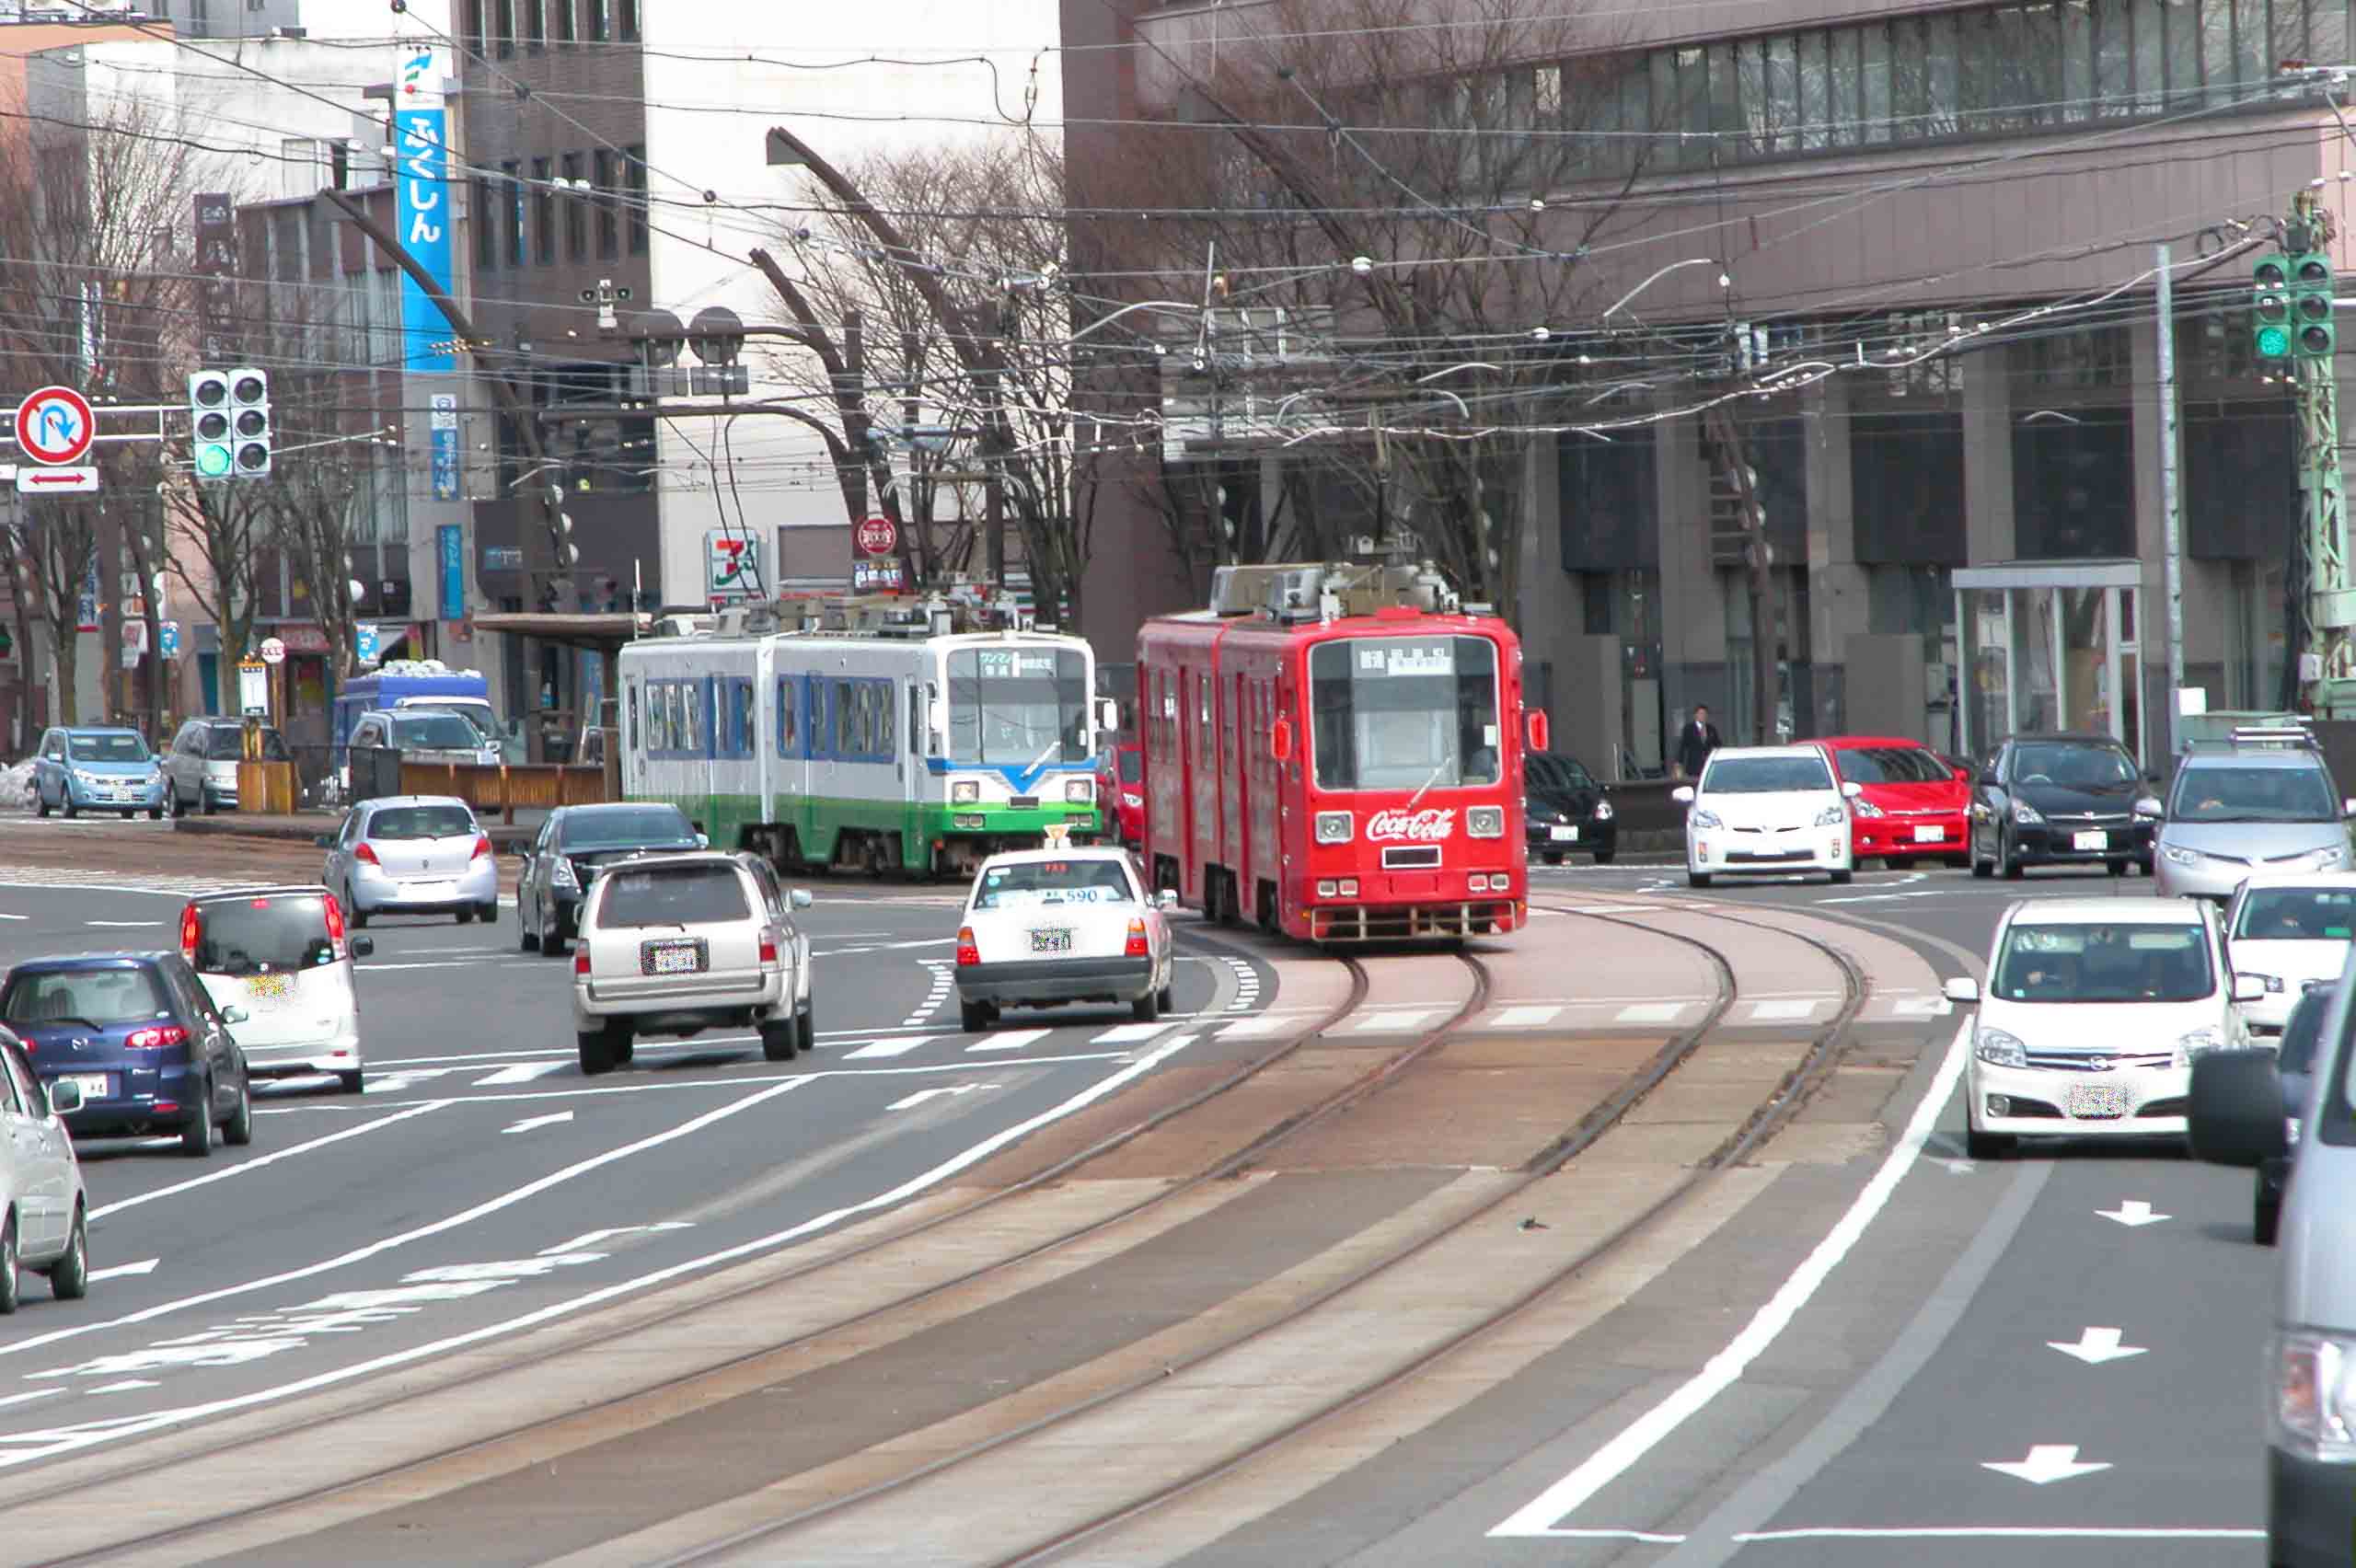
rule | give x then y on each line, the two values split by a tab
571	848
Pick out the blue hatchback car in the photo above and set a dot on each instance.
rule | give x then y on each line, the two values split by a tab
137	1032
104	770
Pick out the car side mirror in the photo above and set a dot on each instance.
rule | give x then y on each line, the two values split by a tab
65	1097
1108	716
1990	782
2248	988
702	842
2149	805
322	841
1851	789
1963	776
233	1015
2236	1108
1166	899
1682	794
1962	990
363	946
799	898
2349	806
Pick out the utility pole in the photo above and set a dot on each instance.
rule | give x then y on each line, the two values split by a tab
1726	437
2171	509
994	434
2292	308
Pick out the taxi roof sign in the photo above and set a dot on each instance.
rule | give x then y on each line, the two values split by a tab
1058	834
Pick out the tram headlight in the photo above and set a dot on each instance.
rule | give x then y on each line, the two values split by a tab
1334	828
1486	822
1079	791
964	791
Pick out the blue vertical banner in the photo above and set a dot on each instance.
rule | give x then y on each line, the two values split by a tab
422	204
454	571
446	445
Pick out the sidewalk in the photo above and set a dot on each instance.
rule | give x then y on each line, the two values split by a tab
304	826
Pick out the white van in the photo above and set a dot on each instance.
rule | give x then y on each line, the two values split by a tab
280	955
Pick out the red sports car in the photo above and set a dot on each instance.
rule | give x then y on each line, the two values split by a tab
1914	802
1120	790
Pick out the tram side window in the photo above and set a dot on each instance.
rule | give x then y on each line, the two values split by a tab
787	737
740	740
690	718
632	691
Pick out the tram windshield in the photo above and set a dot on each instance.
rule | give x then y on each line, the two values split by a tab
1405	712
1017	705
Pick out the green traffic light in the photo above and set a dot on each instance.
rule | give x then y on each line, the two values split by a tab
211	462
2273	342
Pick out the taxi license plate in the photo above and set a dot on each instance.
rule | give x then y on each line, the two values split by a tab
677	957
2098	1101
2094	840
1929	835
1057	941
94	1085
1564	835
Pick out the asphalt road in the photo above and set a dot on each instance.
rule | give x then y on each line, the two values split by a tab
482	1185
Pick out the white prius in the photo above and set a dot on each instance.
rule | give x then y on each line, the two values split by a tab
2288	930
1766	809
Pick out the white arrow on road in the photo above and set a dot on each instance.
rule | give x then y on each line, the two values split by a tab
2046	1462
2132	1212
920	1096
2098	1345
529	1122
124	1271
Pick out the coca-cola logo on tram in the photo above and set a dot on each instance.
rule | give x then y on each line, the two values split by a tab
1426	826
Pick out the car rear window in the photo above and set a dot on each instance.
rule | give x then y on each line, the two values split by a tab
99	997
1891	765
673	895
226	744
1029	883
422	822
262	936
615	830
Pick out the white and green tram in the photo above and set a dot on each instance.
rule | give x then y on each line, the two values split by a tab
916	752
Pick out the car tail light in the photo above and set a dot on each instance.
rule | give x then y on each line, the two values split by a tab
1136	948
482	846
966	952
581	962
160	1038
768	946
365	853
335	920
191	930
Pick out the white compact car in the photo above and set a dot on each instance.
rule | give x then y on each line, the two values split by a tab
42	1226
2286	929
1044	926
2093	1010
676	944
281	957
1766	809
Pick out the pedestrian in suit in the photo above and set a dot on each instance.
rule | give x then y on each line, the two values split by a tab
1696	742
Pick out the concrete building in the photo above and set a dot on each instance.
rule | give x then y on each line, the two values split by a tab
1966	543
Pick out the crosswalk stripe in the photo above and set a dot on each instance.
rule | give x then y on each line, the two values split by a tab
1389	1021
1522	1018
1245	1028
521	1072
1783	1009
888	1047
1650	1012
1014	1042
1130	1033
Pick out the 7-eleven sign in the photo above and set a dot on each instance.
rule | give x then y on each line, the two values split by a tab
732	567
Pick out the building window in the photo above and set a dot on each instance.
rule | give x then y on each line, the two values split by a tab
471	37
560	22
485	215
609	240
514	186
534	26
504	13
543	214
634	173
576	212
601	20
630	21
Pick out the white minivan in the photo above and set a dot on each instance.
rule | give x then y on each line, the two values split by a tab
44	1222
282	957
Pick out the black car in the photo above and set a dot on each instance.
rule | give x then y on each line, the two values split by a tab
2061	799
1563	810
572	844
140	1037
2294	1058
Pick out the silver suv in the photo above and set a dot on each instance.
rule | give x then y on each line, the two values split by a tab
2265	804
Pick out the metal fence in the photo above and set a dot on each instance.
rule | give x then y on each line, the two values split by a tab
376	772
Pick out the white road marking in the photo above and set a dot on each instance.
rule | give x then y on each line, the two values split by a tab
888	1047
531	1189
2096	1346
1391	1021
23	1447
1016	1041
1244	1028
529	1122
1521	1018
142	924
1650	1012
124	1271
920	1096
28	1396
1789	1011
259	1160
1543	1515
2047	1462
1130	1033
2133	1213
15	916
2000	1532
583	1243
522	1072
126	1386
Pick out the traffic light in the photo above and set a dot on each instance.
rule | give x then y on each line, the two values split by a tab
2312	336
208	414
250	416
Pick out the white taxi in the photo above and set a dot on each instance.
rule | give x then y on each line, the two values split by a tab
2286	929
1044	926
2094	1011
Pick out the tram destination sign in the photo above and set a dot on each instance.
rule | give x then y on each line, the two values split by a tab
1421	658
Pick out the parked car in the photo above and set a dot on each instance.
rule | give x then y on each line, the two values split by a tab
1120	789
1911	805
200	769
95	770
412	855
2268	806
2049	799
1766	809
1045	927
425	734
572	846
43	1209
2289	930
1563	809
676	944
140	1040
279	955
2093	1012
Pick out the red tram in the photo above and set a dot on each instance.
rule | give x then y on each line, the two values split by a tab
1335	752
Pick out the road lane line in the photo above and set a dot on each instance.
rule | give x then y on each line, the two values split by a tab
522	1072
449	1222
1650	1012
90	1434
1541	1514
2000	1532
888	1047
1521	1018
259	1160
1131	1034
1018	1040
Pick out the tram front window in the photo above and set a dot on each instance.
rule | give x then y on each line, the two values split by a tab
1019	706
1405	712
